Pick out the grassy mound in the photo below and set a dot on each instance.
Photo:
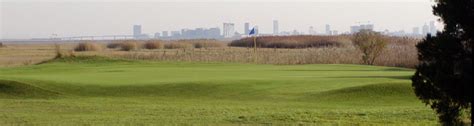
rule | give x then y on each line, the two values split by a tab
97	90
85	59
375	93
13	89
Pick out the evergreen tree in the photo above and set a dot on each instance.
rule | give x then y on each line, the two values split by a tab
443	78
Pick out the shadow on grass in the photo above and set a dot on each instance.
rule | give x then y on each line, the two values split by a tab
322	70
215	90
14	89
366	77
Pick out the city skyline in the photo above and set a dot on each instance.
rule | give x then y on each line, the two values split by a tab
65	24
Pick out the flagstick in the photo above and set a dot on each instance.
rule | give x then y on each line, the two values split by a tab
255	48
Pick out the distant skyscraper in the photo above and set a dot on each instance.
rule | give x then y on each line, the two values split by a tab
200	33
175	33
328	29
355	28
165	33
256	30
275	27
228	30
311	30
416	31
246	28
137	31
432	28
295	32
157	35
425	29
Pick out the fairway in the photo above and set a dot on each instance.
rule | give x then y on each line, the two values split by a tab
96	90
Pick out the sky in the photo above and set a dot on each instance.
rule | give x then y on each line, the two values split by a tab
25	19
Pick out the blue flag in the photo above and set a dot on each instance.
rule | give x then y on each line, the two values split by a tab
252	31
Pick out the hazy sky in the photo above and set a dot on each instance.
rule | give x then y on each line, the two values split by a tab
23	19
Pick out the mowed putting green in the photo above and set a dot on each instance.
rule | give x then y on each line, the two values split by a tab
95	90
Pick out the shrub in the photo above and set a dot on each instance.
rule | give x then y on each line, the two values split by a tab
1	45
370	43
113	45
153	44
88	46
129	45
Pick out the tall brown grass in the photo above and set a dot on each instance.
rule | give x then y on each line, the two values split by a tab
399	52
178	45
302	41
1	45
209	44
88	46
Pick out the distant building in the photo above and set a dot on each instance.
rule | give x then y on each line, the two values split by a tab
256	30
165	34
137	31
201	33
228	30
157	35
328	29
357	28
369	27
416	31
246	28
295	32
175	34
425	29
275	27
311	30
334	32
432	28
285	33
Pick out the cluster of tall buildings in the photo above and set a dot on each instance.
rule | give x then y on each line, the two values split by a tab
357	28
416	31
229	31
431	29
198	33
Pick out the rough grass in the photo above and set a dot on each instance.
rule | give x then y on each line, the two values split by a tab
95	90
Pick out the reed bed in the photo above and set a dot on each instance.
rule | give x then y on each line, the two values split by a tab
394	55
400	52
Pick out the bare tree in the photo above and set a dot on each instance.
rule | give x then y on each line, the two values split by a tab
370	43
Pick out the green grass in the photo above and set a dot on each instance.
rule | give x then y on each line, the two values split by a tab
95	90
